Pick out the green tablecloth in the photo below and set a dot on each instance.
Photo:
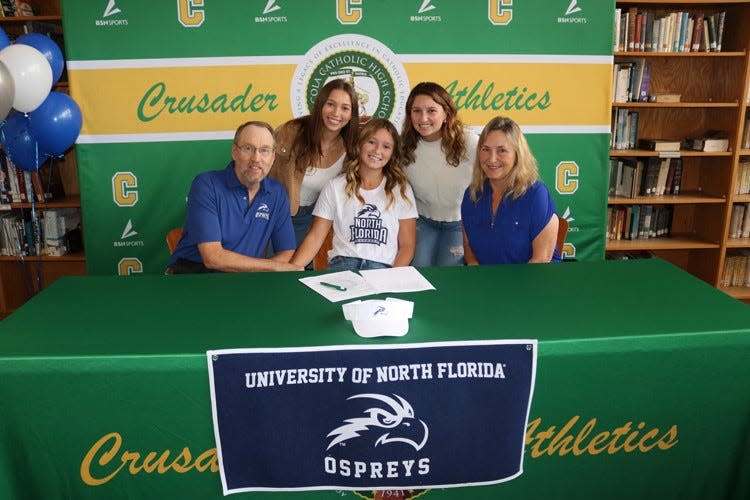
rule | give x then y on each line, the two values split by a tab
642	388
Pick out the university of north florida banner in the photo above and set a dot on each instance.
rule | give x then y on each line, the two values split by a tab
163	85
398	417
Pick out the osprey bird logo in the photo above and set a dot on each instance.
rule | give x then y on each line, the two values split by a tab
369	210
397	417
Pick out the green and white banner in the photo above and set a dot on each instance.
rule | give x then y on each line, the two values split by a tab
163	85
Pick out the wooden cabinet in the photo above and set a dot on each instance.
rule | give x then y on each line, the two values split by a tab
713	89
22	277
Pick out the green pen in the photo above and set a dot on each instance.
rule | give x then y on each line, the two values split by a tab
335	287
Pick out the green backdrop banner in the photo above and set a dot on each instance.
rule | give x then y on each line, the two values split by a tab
163	85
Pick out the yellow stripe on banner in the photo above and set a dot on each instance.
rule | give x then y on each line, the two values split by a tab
530	93
158	100
218	98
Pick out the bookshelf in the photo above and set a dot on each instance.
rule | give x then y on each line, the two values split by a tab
713	89
22	277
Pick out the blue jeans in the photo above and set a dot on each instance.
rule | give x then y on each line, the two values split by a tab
341	263
438	243
302	222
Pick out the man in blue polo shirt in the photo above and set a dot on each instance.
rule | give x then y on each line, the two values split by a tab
233	213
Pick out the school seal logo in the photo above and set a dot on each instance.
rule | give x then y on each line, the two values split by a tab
378	77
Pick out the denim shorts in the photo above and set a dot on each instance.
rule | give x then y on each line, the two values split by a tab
342	263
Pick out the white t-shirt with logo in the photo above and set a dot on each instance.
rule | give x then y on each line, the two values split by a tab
367	231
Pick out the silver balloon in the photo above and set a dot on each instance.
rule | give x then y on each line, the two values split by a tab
7	91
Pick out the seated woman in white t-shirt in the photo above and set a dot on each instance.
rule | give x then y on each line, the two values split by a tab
370	207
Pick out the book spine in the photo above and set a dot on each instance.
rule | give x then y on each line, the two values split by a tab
616	38
712	33
632	15
720	29
638	33
695	43
648	43
745	231
677	176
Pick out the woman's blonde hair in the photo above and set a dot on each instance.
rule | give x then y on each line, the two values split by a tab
392	171
452	141
526	171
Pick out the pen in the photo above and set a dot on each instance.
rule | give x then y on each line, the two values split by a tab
336	287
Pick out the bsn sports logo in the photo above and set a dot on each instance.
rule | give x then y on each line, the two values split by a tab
127	233
271	6
368	227
111	10
391	420
568	17
425	7
378	77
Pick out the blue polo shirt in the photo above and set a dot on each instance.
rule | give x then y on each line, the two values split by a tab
218	210
507	239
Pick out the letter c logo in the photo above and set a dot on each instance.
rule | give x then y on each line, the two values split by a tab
500	16
566	177
128	266
346	13
190	14
124	189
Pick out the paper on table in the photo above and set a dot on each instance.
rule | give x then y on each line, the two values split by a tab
356	285
396	279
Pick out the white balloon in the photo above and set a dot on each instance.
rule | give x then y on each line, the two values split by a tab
31	74
7	91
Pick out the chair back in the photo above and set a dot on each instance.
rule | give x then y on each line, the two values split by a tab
173	237
562	233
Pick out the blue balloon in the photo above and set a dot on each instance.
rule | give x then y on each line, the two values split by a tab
20	145
4	40
48	48
56	123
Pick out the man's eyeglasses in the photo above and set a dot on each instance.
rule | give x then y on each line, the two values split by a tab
249	150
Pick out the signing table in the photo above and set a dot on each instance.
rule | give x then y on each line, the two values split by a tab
642	385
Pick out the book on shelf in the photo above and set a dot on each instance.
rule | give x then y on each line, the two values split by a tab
626	176
643	91
742	184
9	7
664	97
631	18
62	231
746	135
24	9
42	185
616	39
736	270
622	91
721	16
659	144
677	179
735	224
648	183
708	141
739	225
